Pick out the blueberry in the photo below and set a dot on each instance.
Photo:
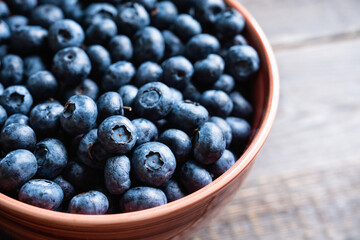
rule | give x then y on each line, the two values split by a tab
110	103
128	94
224	126
5	33
173	45
87	87
41	193
148	72
222	165
229	23
208	71
79	115
120	48
242	61
16	21
65	33
200	46
186	27
117	174
3	50
71	65
194	177
3	116
45	118
16	168
140	198
188	115
164	14
92	202
12	69
217	102
1	88
242	108
45	15
117	134
51	158
239	40
177	72
225	83
42	85
179	143
72	9
191	93
148	4
146	130
153	163
17	118
79	175
117	75
173	190
28	39
240	129
209	143
21	7
4	10
149	45
91	152
206	11
17	136
101	32
98	11
177	95
100	60
16	99
33	64
131	18
153	101
68	188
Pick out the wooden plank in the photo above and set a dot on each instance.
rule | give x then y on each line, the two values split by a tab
292	21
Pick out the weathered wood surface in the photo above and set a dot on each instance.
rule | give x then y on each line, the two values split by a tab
305	183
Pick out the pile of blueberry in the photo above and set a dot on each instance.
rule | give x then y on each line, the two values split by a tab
117	106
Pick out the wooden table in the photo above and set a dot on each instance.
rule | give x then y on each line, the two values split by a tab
306	181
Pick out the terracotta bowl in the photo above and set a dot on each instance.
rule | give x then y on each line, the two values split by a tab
174	220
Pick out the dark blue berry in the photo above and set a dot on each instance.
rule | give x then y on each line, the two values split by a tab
21	7
65	33
16	168
229	23
99	11
208	71
101	32
191	93
72	9
109	104
117	134
148	4
128	94
92	202
148	72
201	45
87	87
242	108
16	21
79	175
222	165
17	136
42	85
217	102
194	177
91	152
45	118
240	129
146	130
45	15
149	45
117	174
188	116
179	143
117	75
68	188
41	193
28	39
33	64
164	14
140	198
4	10
3	116
173	190
242	61
186	27
206	11
5	33
225	83
120	48
177	72
16	99
79	115
177	95
153	101
173	45
51	156
71	65
12	69
224	126
17	118
100	60
131	18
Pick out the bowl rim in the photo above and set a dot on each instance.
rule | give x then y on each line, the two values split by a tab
63	220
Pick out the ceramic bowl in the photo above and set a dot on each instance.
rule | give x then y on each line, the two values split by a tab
175	220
